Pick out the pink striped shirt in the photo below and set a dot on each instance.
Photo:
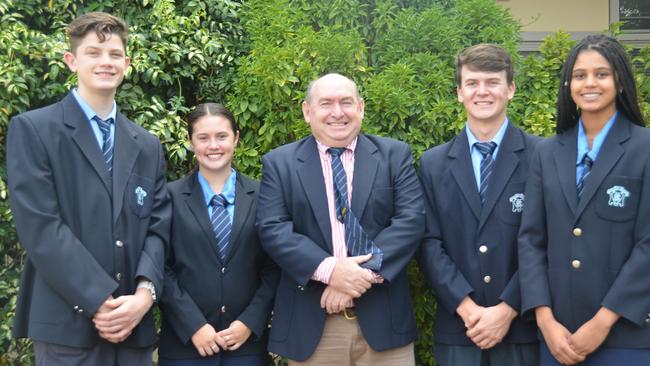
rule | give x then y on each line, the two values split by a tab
324	270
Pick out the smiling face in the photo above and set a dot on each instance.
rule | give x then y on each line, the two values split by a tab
213	142
334	110
593	88
485	95
100	66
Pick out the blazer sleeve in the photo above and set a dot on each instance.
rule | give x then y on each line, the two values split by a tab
61	259
179	309
439	269
295	253
402	237
628	295
532	240
511	294
152	260
256	314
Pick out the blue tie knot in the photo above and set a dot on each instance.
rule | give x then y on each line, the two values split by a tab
219	200
587	161
486	148
336	152
104	124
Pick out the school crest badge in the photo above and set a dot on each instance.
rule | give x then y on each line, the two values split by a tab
617	196
517	201
140	194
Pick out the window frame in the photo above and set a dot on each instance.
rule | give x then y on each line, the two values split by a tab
635	37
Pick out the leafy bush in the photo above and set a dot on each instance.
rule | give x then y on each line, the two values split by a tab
258	57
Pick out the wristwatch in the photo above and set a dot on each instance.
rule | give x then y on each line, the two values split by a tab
149	286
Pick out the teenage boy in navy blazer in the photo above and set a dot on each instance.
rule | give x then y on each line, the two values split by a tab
87	191
474	188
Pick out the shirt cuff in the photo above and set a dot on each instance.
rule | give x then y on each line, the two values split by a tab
324	270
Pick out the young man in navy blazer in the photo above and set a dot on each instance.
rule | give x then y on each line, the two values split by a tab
87	191
474	188
336	305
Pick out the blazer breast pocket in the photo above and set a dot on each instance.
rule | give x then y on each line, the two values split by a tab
617	199
139	194
511	203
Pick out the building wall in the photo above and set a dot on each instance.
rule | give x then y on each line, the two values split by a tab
553	15
577	17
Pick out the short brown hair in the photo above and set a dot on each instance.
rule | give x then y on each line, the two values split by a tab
485	57
103	24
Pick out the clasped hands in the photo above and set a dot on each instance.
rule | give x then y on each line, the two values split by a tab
569	348
486	326
348	281
117	317
208	341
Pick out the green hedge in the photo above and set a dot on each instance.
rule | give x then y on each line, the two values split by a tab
257	57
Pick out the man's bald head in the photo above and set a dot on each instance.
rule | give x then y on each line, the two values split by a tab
327	78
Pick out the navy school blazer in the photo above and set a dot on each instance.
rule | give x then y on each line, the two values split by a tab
87	235
576	256
470	249
199	287
293	222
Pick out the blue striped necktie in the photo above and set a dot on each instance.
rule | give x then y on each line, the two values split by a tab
586	164
487	163
221	225
107	145
356	239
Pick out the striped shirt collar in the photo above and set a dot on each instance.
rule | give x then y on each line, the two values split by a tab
322	148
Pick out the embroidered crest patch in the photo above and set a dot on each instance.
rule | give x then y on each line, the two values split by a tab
140	194
617	196
517	201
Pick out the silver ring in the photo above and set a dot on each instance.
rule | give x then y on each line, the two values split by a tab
214	347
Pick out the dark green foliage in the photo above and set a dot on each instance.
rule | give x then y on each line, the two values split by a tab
258	57
537	80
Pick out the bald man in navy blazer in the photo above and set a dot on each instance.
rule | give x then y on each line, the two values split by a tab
328	309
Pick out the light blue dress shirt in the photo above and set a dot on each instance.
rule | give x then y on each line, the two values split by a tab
90	114
583	144
476	154
228	192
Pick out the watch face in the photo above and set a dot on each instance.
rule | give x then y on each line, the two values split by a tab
152	290
149	286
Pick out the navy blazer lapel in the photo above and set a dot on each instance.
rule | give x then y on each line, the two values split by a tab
244	200
125	152
365	169
196	203
565	161
310	174
463	172
506	162
609	154
84	137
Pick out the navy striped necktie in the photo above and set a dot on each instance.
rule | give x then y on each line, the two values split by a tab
221	225
586	163
356	239
107	145
487	163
